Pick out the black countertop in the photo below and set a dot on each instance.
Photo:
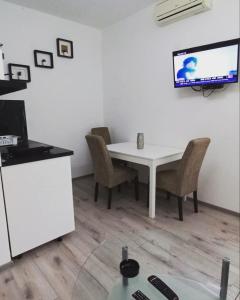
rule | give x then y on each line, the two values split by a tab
10	86
30	152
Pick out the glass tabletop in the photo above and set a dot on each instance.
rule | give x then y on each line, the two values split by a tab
185	289
99	277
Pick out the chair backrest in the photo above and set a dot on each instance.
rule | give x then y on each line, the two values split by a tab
190	165
102	162
103	132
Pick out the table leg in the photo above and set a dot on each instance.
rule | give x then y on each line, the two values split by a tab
152	191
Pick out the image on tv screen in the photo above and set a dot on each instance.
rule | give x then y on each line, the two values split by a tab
214	66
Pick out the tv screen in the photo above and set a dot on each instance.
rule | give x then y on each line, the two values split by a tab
213	64
13	119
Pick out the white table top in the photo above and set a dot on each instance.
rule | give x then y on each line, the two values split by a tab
150	152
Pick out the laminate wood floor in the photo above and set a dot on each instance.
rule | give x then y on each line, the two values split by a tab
85	264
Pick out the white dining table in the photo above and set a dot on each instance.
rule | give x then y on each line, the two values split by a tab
151	156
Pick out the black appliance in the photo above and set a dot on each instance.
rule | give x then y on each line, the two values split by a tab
13	119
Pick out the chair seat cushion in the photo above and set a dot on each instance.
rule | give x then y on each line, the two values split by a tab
122	174
167	180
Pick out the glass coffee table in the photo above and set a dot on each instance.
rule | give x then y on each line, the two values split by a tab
100	278
185	289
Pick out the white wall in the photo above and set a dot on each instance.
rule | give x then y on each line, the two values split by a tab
139	94
64	103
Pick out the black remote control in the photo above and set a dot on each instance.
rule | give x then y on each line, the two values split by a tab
138	295
162	287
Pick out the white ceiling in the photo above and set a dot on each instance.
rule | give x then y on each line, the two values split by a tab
97	13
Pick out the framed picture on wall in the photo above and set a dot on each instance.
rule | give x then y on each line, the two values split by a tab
43	59
64	48
19	72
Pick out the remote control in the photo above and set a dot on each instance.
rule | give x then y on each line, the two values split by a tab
162	287
138	295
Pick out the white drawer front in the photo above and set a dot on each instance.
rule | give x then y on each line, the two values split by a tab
39	202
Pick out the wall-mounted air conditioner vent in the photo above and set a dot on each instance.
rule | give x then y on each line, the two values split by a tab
172	10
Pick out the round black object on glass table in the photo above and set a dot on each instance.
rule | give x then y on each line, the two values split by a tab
129	268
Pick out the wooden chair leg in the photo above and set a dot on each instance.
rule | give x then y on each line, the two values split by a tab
96	192
109	198
148	190
136	188
180	208
168	195
119	188
195	201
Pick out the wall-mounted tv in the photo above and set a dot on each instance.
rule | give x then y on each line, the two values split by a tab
208	65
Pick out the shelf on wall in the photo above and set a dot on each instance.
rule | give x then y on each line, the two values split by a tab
10	86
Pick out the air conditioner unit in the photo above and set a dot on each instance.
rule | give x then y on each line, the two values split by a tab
172	10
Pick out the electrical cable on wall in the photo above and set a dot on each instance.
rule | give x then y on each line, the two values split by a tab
206	95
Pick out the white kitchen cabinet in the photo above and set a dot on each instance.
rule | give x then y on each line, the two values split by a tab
39	202
5	256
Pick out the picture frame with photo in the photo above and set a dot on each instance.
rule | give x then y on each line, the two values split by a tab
64	48
19	72
43	59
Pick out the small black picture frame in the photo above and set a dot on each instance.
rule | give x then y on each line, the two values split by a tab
19	72
64	48
43	59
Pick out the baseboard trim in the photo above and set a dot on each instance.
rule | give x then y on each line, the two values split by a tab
225	210
6	266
